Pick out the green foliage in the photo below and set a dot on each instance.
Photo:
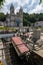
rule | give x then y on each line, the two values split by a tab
40	1
2	17
41	29
41	17
28	19
7	28
32	18
1	2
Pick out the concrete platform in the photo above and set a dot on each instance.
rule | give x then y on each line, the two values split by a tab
39	52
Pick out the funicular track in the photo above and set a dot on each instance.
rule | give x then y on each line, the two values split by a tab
11	55
13	59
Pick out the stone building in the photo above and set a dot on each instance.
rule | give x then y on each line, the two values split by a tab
14	20
39	24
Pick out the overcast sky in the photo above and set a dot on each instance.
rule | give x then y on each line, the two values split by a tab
30	6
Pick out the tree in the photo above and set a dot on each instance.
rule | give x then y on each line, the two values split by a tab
29	19
2	17
32	18
41	17
40	1
1	2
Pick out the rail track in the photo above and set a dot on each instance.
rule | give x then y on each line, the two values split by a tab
15	60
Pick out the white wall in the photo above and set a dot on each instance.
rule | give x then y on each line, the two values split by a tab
39	23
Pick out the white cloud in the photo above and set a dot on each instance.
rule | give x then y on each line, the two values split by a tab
4	10
17	9
25	10
7	2
32	3
22	2
38	8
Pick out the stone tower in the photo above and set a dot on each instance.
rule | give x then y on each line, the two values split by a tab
14	20
12	16
21	16
12	9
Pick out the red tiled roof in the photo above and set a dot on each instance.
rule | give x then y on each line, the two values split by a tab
22	48
17	40
20	44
